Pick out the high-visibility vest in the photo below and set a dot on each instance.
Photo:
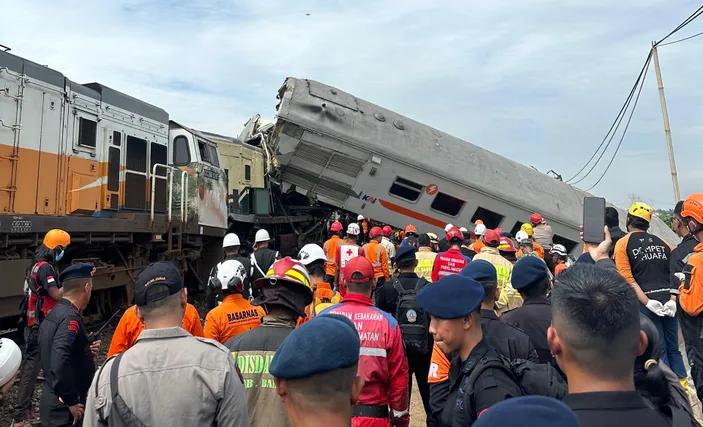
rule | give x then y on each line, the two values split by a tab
376	262
330	248
425	264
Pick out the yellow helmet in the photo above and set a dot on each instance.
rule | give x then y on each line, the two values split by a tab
641	210
527	228
55	238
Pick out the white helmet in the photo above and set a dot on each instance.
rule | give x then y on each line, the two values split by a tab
10	359
353	229
559	250
230	240
231	275
311	253
522	237
448	227
464	230
262	236
480	229
360	218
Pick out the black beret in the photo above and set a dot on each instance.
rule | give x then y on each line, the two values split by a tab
528	411
481	271
77	271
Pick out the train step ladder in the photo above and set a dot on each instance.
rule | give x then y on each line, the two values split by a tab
170	171
15	127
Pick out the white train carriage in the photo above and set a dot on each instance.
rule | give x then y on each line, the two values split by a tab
346	152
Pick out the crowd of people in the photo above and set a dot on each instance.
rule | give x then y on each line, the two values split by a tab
495	329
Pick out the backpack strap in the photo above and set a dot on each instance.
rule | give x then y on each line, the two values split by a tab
398	286
487	362
420	283
114	371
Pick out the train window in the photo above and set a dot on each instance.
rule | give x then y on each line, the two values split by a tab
116	138
159	154
516	228
136	154
227	178
87	132
568	243
204	154
181	154
113	169
247	172
448	205
212	154
490	219
406	189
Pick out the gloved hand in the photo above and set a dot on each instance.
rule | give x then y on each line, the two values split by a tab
670	307
656	307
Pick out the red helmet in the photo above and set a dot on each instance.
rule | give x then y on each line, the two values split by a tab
454	233
536	218
375	232
336	226
387	230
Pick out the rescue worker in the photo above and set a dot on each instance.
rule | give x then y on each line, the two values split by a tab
527	244
332	346
444	243
457	327
479	231
434	242
313	258
598	355
407	282
235	315
612	220
690	329
411	236
559	256
507	249
509	297
67	351
44	290
466	244
10	360
330	249
378	257
386	241
451	261
169	377
531	280
643	260
364	223
130	327
284	294
543	233
529	410
262	259
382	362
345	252
230	246
425	257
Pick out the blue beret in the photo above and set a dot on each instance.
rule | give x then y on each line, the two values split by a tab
77	271
481	271
585	258
529	270
451	297
529	410
405	252
322	344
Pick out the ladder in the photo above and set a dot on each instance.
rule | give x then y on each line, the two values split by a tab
170	171
15	128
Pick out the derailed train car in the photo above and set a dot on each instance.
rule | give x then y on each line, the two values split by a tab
342	151
130	186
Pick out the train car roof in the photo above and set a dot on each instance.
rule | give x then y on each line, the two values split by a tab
386	132
96	91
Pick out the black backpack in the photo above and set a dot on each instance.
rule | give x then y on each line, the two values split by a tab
539	379
413	321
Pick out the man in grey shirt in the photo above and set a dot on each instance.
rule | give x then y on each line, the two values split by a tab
169	377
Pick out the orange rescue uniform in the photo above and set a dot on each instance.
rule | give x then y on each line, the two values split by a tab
536	248
559	268
476	246
330	248
439	367
378	257
130	327
324	297
234	316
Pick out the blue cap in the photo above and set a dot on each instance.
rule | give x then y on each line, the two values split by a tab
451	297
322	344
506	234
528	271
481	271
77	271
585	258
529	410
405	252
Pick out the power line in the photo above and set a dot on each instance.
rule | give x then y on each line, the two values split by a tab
683	39
688	20
627	125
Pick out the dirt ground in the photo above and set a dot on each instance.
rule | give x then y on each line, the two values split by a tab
417	411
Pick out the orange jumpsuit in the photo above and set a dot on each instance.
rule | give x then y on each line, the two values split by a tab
130	327
234	316
378	257
476	246
330	248
536	248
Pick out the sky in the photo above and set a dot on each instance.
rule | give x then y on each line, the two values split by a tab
539	82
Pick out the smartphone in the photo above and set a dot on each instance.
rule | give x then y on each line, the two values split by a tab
593	219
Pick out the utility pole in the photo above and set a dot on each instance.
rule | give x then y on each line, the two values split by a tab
667	128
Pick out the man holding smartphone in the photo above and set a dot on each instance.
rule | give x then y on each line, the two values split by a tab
643	260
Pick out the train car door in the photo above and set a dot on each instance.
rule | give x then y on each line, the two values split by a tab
112	189
47	173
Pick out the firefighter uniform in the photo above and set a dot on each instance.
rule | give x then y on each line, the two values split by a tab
66	358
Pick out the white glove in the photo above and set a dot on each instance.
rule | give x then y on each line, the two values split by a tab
656	307
670	307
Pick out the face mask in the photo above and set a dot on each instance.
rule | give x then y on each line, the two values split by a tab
59	255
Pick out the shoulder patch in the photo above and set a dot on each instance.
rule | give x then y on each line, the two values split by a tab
391	320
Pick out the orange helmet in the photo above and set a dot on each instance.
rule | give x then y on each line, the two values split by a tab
410	229
478	221
336	226
693	207
375	232
55	238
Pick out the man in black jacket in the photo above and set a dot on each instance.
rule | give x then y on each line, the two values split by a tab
67	351
612	220
262	259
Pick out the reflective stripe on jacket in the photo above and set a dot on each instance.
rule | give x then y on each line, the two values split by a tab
425	262
378	257
330	248
509	297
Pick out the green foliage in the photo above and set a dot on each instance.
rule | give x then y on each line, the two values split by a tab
667	216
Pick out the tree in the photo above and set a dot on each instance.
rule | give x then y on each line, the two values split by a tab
666	215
